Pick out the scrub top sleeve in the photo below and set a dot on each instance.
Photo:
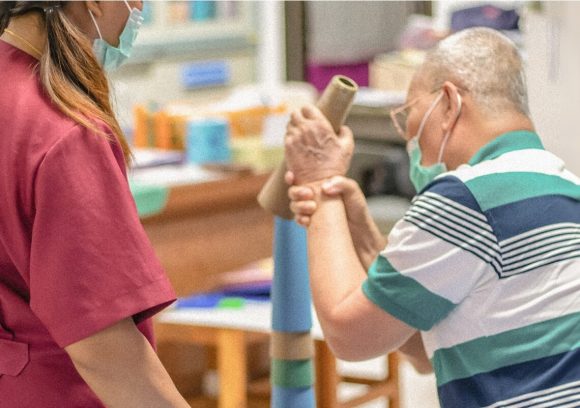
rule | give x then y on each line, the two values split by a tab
92	264
437	255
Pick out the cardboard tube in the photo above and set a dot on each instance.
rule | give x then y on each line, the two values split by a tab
335	104
291	346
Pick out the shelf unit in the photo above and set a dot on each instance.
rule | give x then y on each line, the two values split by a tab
169	31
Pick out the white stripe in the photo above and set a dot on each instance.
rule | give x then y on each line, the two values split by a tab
465	240
499	305
540	394
440	219
548	229
574	402
462	246
540	242
441	267
452	203
540	252
564	257
548	399
526	160
441	208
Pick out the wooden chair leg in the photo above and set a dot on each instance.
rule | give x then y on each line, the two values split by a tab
232	369
326	376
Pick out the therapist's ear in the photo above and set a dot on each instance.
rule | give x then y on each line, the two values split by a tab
94	7
452	105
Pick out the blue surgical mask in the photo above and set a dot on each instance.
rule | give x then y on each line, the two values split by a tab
421	175
111	57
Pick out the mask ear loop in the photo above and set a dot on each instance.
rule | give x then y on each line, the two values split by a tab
128	6
95	23
427	114
449	131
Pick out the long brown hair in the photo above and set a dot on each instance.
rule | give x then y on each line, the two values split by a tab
69	71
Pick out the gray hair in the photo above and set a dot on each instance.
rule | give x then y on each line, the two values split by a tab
484	62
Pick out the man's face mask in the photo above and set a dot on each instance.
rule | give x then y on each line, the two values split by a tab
111	57
419	174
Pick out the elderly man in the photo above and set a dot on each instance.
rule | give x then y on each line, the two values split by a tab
485	264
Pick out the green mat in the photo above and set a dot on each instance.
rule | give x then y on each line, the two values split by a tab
150	200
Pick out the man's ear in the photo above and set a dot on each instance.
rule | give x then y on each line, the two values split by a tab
94	7
452	104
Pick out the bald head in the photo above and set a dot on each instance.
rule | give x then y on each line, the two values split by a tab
483	62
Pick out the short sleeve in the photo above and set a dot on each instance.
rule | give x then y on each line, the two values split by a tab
92	264
435	256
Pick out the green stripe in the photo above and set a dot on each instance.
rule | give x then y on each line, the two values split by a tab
494	190
292	374
527	343
404	297
508	142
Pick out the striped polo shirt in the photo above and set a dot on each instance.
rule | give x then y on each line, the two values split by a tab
486	264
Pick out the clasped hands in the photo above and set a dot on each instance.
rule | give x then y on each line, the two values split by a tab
317	160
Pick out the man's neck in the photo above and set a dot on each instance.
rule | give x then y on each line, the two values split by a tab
482	133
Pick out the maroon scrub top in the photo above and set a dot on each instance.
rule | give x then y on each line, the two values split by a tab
74	258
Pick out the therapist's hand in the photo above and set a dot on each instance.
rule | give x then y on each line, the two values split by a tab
313	151
303	203
367	238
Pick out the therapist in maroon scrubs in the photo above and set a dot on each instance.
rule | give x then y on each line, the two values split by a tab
79	280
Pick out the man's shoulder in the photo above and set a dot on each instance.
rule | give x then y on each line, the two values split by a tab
451	190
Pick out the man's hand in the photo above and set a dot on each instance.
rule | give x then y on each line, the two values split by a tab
313	151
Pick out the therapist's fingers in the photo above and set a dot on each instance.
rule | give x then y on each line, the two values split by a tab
289	177
303	220
303	208
339	185
300	193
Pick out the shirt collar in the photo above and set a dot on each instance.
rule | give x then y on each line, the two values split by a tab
507	142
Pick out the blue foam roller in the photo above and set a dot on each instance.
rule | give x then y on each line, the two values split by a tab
292	397
291	310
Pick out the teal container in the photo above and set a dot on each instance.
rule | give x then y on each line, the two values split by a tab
202	10
208	141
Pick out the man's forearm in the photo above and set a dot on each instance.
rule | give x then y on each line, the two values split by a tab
123	370
368	241
335	270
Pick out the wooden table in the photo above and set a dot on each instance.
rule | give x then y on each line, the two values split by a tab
215	227
232	330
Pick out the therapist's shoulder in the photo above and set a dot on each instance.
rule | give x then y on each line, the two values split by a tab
94	145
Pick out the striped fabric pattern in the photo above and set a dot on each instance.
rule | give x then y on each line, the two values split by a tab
486	263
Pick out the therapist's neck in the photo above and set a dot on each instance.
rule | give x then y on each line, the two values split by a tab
30	27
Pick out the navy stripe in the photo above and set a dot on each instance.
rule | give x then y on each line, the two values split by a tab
522	216
454	189
470	226
505	383
443	236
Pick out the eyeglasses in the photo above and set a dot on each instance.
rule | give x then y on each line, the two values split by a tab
400	115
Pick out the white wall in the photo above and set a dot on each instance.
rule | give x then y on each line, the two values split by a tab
553	61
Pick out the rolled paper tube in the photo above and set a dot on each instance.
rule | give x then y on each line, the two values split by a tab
292	373
302	397
335	104
291	346
291	302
